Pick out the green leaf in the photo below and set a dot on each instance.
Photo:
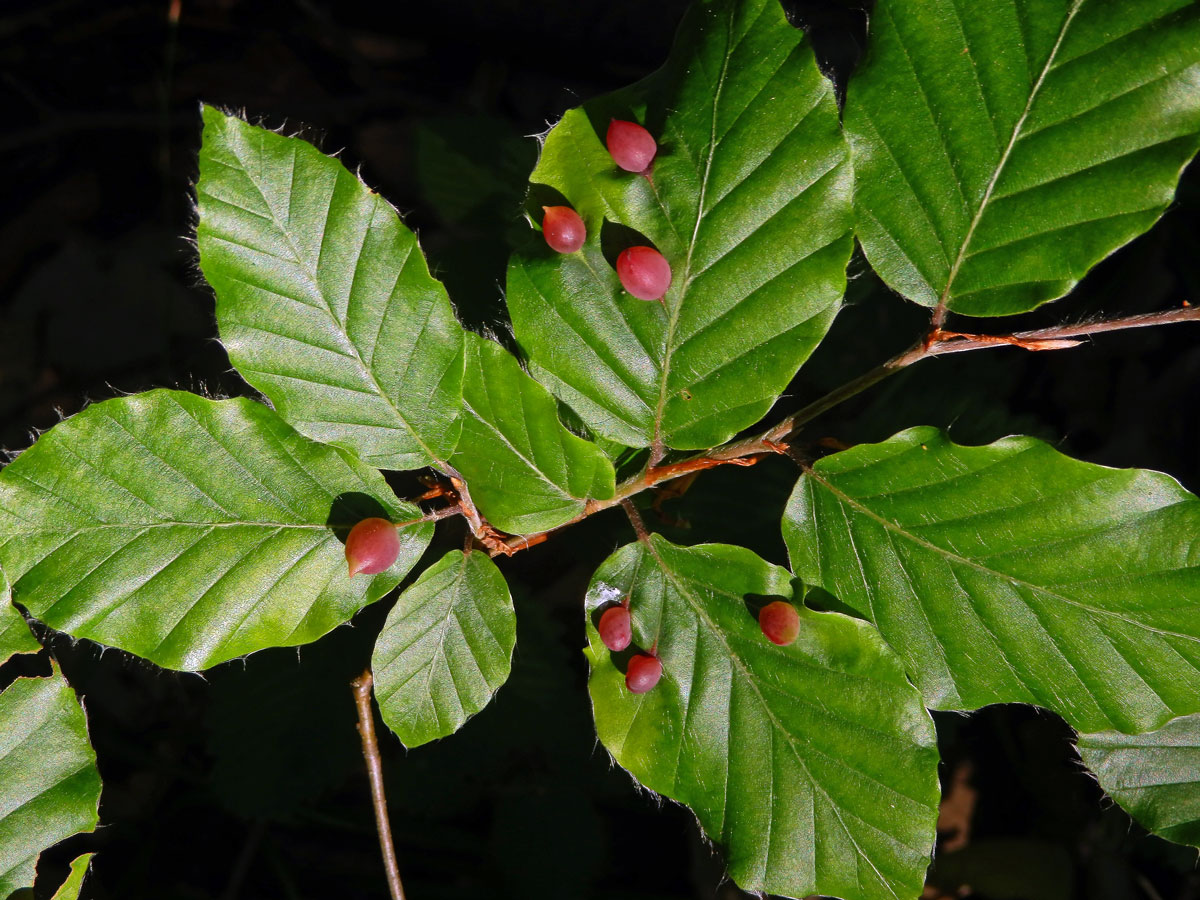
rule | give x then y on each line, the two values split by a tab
1012	573
1004	148
190	531
1155	777
15	636
525	471
69	889
750	203
445	648
49	785
324	301
813	765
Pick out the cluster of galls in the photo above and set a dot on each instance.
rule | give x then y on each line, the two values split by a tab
373	545
778	620
616	631
643	271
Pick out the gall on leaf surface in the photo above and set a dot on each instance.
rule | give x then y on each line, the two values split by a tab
445	648
642	673
324	300
631	146
1003	148
1012	573
812	766
526	472
615	628
779	621
644	272
563	229
190	531
1155	777
372	546
749	200
49	784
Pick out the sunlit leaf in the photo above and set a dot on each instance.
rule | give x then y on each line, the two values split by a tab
49	786
814	766
525	471
191	531
445	649
69	889
1155	777
749	201
1013	573
324	301
15	636
1004	147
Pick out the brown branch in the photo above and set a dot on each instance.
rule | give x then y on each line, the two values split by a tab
648	478
748	451
956	343
366	730
433	516
942	338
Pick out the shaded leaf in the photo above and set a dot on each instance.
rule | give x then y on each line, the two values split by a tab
813	765
1012	573
749	201
525	471
445	649
1004	148
280	729
191	531
986	868
49	785
1155	777
324	301
470	169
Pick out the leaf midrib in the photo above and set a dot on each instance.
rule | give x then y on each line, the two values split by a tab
685	282
1004	157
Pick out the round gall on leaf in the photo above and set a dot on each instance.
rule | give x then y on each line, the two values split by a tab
632	146
372	546
780	622
615	628
643	673
563	229
644	272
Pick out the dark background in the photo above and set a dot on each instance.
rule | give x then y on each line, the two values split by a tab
246	782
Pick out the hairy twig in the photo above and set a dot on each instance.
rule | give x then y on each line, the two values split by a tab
635	519
957	343
939	343
773	440
434	516
366	730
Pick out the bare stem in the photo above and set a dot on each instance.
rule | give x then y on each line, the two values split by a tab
748	451
366	730
938	319
635	519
